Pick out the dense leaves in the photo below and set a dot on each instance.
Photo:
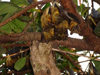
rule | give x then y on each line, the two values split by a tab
20	3
15	26
7	10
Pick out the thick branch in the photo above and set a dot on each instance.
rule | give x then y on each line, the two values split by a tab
24	37
73	43
70	42
85	30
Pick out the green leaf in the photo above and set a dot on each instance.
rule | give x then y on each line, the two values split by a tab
2	51
76	2
7	10
20	63
75	58
2	61
24	18
82	6
97	29
98	10
38	22
83	10
20	3
14	26
97	65
34	9
85	1
46	6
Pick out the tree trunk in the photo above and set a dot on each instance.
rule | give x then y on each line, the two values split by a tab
42	59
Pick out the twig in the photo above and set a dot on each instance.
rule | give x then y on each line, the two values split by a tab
72	61
23	11
27	26
16	45
19	72
17	53
74	54
83	61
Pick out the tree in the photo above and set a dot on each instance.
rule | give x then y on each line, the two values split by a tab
34	37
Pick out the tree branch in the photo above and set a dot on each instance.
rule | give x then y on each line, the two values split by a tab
23	11
70	42
85	29
74	54
73	43
28	36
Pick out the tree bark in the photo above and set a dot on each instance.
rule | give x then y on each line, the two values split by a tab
42	59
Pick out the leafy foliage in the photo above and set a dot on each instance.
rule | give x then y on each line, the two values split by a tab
83	10
7	10
20	3
2	61
97	65
15	26
63	62
20	63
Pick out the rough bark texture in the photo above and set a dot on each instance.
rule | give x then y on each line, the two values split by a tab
42	59
72	43
28	36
